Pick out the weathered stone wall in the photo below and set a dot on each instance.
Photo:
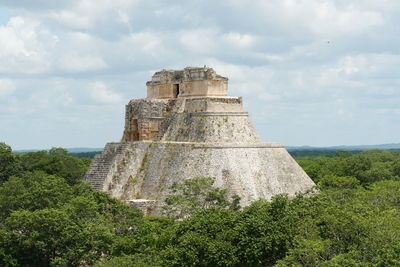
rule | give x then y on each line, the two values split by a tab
184	120
252	171
213	104
163	90
203	88
188	82
143	118
211	127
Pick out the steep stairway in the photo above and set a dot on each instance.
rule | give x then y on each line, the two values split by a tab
103	163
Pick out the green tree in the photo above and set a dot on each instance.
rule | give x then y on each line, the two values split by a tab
6	260
262	232
46	222
51	237
353	165
376	173
33	191
151	237
331	181
9	163
206	239
58	151
197	193
351	227
56	162
257	236
396	169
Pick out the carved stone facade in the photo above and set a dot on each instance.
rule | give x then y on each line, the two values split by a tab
189	82
149	119
202	89
188	127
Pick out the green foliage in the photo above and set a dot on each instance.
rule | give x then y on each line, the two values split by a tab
58	151
6	260
80	229
56	162
203	240
331	181
263	232
257	236
49	217
353	165
54	237
88	155
396	169
359	227
194	194
319	152
136	260
144	244
367	166
9	163
33	191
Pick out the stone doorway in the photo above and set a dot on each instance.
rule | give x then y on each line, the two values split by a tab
176	90
132	132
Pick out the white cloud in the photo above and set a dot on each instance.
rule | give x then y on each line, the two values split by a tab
148	42
101	94
7	87
351	65
201	41
73	62
86	14
290	59
239	40
330	20
72	19
24	46
123	17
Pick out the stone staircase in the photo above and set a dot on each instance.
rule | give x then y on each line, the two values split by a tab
103	163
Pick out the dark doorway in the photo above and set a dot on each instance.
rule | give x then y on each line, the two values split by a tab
176	90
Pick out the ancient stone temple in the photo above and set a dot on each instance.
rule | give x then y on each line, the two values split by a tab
188	127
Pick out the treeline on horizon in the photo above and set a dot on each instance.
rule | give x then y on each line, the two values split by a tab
50	217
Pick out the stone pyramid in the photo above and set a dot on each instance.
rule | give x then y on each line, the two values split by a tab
188	127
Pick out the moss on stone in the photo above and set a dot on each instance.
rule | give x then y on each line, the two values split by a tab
144	164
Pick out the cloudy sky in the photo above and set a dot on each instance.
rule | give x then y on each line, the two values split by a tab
311	72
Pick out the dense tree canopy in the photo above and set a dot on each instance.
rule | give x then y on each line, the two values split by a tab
9	162
195	194
50	217
56	161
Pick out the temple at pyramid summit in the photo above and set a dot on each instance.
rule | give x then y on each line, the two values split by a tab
189	127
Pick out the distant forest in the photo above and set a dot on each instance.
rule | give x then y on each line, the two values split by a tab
89	155
321	151
50	217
